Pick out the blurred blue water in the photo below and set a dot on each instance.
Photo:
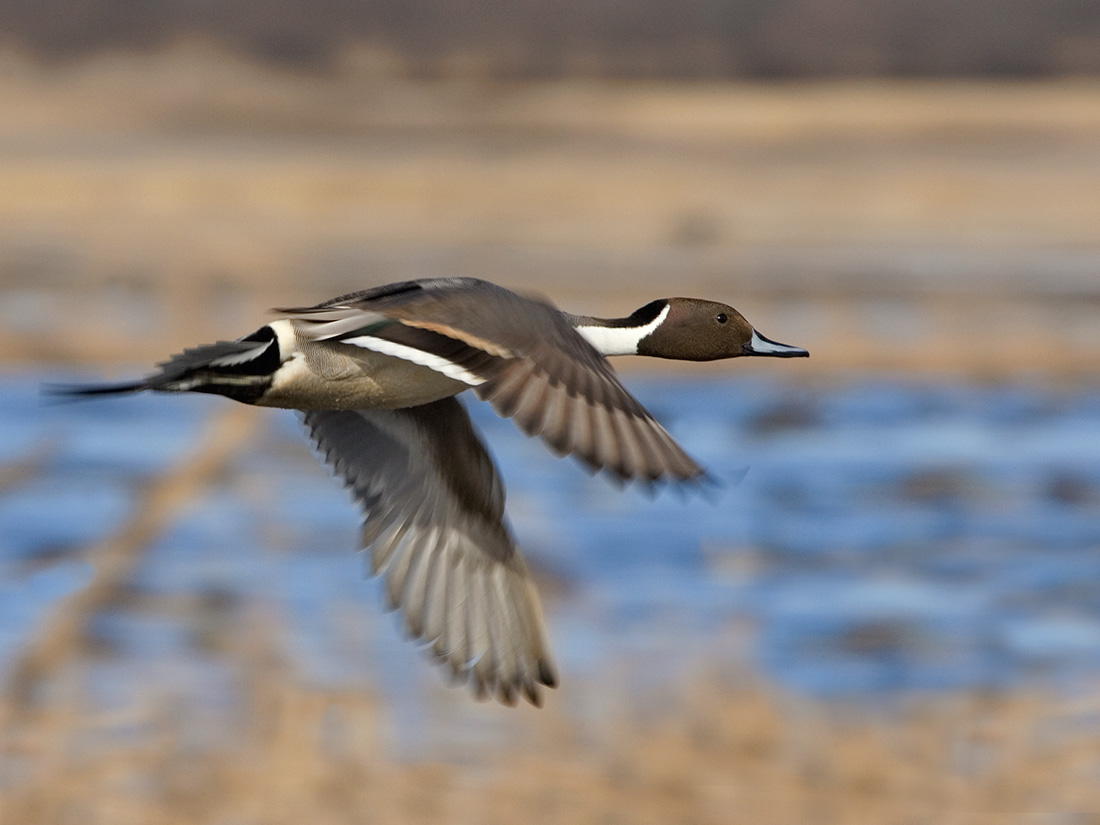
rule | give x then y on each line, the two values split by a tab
872	536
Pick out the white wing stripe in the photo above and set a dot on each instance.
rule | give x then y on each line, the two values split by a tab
416	356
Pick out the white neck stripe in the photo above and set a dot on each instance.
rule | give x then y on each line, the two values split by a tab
620	340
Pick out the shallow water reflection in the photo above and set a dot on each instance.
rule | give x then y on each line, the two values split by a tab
872	536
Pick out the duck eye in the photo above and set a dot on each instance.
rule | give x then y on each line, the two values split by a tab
722	318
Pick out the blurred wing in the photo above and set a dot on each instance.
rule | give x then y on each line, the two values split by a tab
521	355
434	509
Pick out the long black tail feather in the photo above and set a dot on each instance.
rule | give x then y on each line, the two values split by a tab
77	391
240	370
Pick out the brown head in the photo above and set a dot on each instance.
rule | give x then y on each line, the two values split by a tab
698	330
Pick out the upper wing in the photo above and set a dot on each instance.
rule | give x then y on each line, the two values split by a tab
434	509
520	354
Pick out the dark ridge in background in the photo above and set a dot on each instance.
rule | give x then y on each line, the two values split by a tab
682	39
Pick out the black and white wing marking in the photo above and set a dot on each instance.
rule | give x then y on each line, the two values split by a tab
434	508
520	354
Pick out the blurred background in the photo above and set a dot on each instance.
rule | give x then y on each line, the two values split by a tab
890	612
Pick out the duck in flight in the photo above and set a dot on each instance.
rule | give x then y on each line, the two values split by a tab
375	375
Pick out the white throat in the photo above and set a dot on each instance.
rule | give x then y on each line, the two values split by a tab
620	340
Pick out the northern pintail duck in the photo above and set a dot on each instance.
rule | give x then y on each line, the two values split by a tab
375	374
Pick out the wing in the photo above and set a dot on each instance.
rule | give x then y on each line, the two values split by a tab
434	508
521	355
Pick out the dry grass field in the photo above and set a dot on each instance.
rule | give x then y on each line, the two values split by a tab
159	199
718	756
151	201
286	752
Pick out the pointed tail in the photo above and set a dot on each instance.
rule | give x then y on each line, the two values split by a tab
240	370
